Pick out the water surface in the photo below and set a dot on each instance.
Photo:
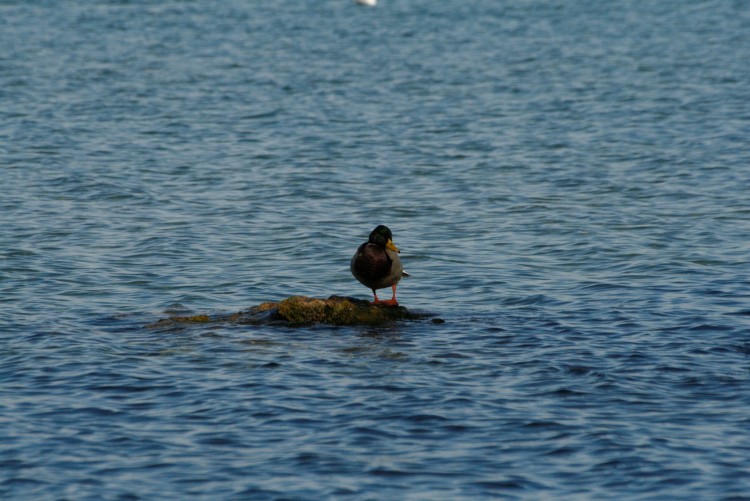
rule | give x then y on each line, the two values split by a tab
568	183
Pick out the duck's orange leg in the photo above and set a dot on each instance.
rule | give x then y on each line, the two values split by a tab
386	302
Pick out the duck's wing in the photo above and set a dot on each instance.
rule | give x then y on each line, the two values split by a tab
370	263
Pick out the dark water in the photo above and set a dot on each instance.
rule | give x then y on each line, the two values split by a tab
569	184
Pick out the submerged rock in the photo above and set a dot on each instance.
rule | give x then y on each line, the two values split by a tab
303	310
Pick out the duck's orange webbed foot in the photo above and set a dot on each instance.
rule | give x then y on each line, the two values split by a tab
384	302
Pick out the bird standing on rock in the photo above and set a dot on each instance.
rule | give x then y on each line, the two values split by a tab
376	264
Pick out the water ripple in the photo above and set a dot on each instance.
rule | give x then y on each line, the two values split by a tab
567	184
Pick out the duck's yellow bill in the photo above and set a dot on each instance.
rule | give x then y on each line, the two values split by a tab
391	246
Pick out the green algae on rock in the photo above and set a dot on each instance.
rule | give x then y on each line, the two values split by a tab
303	310
338	310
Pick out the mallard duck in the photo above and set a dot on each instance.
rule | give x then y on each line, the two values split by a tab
376	264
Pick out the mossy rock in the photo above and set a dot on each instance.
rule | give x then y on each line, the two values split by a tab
338	311
303	310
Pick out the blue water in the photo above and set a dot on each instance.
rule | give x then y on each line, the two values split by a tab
568	181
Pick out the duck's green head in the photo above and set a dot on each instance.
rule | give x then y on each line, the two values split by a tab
382	237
